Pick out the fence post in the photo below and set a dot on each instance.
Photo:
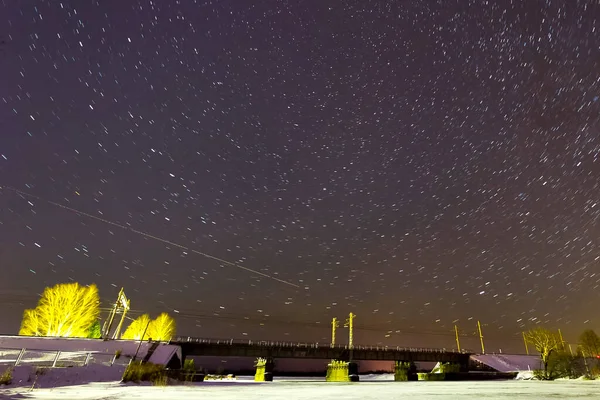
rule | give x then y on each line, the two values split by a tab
20	356
56	359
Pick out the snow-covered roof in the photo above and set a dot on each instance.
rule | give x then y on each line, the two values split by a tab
509	362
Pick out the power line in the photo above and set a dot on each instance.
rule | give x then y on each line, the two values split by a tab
150	236
275	321
392	329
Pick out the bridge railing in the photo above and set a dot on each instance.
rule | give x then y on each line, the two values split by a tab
266	343
56	358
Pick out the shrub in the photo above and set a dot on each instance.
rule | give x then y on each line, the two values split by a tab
189	369
428	376
95	331
161	380
6	377
564	365
561	365
145	372
188	365
595	372
541	375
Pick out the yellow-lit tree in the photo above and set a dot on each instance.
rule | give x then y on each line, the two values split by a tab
545	342
162	328
64	310
136	329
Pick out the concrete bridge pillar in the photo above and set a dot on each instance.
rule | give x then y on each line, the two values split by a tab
342	371
405	371
353	371
464	364
264	370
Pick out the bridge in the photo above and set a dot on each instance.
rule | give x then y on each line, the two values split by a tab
269	350
266	349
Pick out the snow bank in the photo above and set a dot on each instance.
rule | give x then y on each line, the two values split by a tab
31	376
525	375
376	377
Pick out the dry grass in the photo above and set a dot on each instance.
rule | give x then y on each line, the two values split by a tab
6	377
145	372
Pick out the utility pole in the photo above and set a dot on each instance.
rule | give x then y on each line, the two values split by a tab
122	304
480	337
141	340
525	341
350	325
109	321
562	342
125	305
334	325
457	339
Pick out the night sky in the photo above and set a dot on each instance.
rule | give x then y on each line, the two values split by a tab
419	163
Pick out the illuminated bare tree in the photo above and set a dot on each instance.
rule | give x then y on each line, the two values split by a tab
162	328
64	310
136	329
545	342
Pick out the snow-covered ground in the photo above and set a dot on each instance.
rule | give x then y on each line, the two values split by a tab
34	377
371	387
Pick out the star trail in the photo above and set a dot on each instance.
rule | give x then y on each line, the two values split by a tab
419	163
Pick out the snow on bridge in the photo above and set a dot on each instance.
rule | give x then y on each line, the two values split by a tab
509	362
44	349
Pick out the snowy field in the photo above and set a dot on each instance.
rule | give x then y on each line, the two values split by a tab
371	387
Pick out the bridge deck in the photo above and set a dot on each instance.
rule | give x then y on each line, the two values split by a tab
231	348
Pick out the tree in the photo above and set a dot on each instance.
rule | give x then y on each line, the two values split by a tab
95	331
545	342
162	328
64	310
564	365
589	343
136	329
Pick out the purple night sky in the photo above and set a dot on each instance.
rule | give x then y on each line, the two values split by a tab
419	163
